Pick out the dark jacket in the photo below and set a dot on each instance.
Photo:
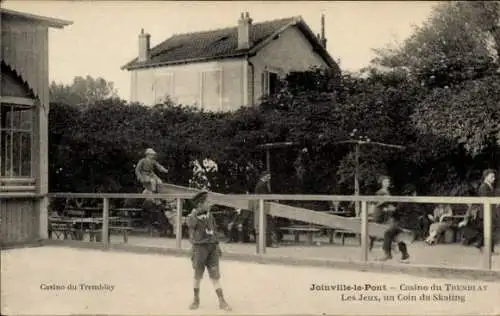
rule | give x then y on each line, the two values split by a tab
260	188
200	227
486	190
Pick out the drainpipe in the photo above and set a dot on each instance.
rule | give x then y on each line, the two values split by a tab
252	102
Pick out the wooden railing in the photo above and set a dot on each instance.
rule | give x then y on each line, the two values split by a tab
486	203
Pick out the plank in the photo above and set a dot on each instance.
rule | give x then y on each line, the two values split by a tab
291	212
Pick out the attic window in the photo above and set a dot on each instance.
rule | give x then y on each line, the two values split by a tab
168	50
223	38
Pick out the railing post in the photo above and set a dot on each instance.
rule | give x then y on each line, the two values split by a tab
261	249
364	231
487	230
105	221
43	208
178	224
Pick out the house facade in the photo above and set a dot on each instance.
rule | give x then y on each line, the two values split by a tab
225	69
24	106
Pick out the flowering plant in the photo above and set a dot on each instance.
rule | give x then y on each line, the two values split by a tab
202	173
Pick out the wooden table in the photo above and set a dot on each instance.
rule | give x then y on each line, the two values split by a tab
74	227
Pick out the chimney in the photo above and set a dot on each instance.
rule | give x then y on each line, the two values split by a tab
143	46
323	39
244	29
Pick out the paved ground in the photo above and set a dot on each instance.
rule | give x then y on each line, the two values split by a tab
454	255
156	284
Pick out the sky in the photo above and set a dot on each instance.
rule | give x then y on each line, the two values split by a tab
104	34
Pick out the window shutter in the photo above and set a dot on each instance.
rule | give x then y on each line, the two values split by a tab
265	83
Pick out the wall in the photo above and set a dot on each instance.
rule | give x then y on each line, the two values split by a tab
187	83
19	222
290	52
24	50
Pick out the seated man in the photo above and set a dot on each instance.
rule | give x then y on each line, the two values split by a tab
238	228
439	224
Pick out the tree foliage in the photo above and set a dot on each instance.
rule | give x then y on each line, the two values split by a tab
82	91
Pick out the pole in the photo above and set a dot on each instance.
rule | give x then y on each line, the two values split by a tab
268	160
105	221
356	179
262	229
487	236
178	224
268	164
364	231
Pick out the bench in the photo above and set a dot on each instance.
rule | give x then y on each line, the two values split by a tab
334	232
297	230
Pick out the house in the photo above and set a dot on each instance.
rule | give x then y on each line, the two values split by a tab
224	69
24	106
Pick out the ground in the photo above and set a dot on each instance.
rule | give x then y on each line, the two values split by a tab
444	255
161	284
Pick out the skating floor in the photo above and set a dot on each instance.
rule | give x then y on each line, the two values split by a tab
147	284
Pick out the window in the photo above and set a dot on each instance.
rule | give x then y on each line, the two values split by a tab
187	87
163	87
16	132
270	81
211	94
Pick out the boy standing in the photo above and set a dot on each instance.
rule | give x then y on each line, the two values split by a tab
205	251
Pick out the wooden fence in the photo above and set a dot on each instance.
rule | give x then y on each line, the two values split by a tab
486	202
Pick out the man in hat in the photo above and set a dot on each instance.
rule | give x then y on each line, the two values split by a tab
486	189
264	187
145	171
205	251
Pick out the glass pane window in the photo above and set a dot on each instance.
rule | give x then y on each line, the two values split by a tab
16	131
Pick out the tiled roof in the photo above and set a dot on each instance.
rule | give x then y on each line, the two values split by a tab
212	44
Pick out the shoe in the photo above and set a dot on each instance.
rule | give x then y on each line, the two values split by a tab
385	258
405	258
194	305
224	306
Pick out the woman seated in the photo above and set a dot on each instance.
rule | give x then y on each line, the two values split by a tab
439	224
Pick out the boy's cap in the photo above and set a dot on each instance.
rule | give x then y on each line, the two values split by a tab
150	151
199	198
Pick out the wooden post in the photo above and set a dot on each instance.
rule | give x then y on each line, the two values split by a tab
268	164
261	249
356	180
178	224
487	230
364	231
105	221
43	208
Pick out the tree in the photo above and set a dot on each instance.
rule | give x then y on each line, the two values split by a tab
82	91
451	57
452	46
